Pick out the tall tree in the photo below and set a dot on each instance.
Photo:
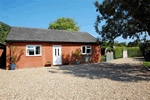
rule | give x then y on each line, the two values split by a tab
4	29
126	18
135	43
64	24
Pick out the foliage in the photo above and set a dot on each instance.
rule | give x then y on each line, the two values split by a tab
64	24
4	29
105	44
118	52
66	61
126	18
49	62
78	55
103	57
135	43
109	49
146	63
104	47
15	54
134	52
122	44
144	47
147	54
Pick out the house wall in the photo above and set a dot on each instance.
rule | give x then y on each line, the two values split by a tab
67	50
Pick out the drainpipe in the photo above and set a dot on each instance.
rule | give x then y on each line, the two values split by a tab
10	52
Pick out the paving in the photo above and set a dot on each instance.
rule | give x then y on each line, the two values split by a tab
121	79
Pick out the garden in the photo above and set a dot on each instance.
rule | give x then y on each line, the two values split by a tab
143	50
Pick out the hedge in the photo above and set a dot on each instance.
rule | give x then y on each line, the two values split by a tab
134	52
118	52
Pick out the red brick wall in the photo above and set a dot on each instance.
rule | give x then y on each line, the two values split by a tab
47	49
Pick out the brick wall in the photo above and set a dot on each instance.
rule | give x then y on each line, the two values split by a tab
47	49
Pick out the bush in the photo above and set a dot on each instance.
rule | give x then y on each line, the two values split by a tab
147	54
103	59
117	53
134	52
145	49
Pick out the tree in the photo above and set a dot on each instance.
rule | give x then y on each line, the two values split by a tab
126	18
4	29
64	24
122	44
131	44
135	43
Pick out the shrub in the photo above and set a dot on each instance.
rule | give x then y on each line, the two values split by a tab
145	49
78	55
49	62
15	56
134	52
147	54
117	53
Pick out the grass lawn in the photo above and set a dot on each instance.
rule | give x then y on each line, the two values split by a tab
103	59
146	63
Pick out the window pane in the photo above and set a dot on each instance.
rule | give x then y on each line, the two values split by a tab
55	52
37	49
30	51
83	49
88	50
30	46
58	52
88	46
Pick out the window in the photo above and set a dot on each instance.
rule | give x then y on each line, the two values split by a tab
33	50
86	49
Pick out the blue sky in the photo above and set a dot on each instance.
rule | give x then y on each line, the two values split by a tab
39	13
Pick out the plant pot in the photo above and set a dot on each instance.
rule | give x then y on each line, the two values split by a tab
77	62
66	63
12	66
47	65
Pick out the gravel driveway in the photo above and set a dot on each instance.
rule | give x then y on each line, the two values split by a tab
102	81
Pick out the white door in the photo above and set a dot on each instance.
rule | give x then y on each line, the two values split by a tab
57	55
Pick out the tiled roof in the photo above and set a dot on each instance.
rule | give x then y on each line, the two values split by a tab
48	35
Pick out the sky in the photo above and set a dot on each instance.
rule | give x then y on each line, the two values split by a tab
40	13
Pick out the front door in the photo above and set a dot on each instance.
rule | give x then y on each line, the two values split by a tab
57	55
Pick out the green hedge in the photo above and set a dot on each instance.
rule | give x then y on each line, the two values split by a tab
103	59
134	52
118	52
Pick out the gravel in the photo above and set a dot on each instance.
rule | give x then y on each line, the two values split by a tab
99	81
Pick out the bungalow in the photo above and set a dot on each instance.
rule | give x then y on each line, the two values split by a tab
42	45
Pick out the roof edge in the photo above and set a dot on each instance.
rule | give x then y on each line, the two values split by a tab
48	41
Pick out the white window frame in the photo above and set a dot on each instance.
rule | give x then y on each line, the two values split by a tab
34	50
86	49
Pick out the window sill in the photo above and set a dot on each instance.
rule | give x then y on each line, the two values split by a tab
87	54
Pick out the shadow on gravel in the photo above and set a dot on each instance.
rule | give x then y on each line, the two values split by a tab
139	58
117	72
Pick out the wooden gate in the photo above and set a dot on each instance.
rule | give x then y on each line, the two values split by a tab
109	56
